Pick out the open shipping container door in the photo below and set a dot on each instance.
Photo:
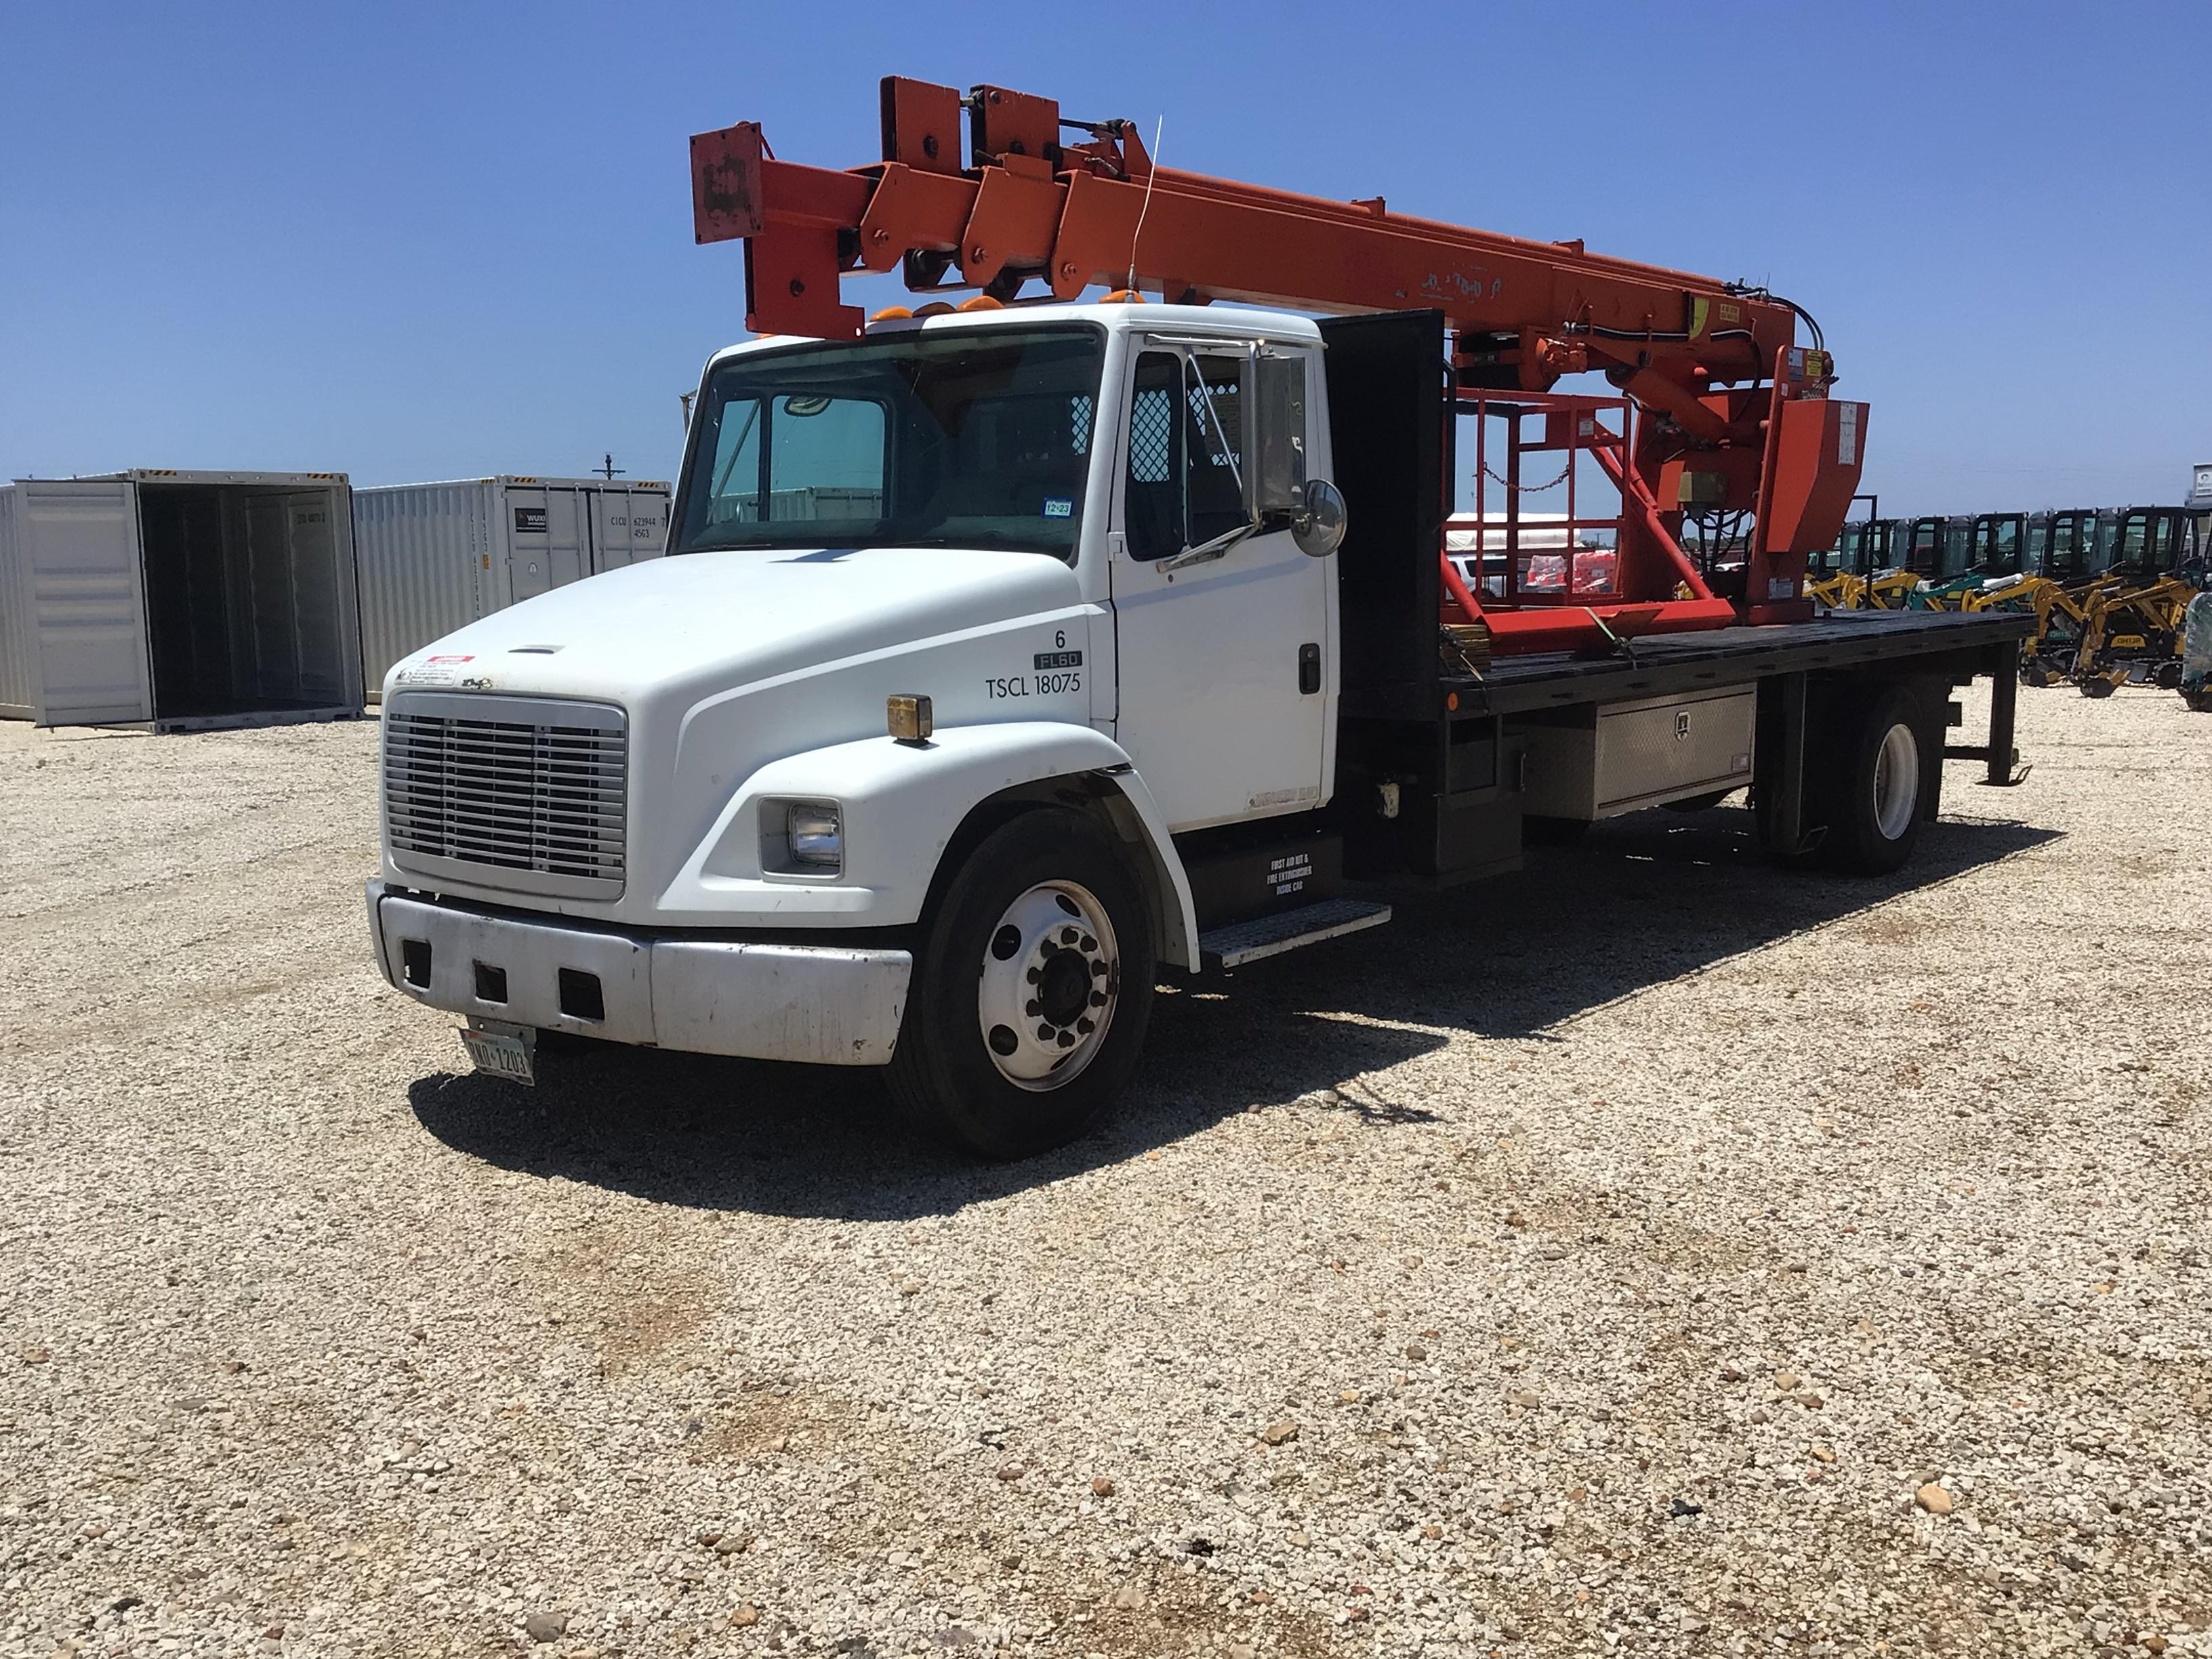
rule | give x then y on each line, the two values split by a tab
321	587
299	651
17	700
78	543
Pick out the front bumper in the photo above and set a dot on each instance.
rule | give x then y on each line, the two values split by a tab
823	1004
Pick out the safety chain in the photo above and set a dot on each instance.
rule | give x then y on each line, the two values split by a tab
1531	489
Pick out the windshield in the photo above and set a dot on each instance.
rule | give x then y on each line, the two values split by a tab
922	439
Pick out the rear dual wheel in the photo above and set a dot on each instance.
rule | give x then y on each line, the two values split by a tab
1031	990
1880	788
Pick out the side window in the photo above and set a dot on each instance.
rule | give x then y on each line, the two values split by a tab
1186	421
1154	501
1217	503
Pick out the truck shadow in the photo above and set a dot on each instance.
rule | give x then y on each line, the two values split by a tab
730	1134
1642	900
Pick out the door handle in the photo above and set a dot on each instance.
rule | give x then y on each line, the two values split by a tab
1308	670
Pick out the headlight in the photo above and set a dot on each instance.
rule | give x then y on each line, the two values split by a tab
813	834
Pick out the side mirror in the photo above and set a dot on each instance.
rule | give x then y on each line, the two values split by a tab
1321	519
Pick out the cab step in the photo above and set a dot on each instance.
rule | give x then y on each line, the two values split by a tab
1286	930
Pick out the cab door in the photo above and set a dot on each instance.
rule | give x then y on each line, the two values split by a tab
1226	671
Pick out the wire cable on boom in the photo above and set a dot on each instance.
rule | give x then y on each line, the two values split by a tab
1158	127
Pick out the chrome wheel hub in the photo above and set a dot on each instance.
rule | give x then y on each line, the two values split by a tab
1896	780
1047	988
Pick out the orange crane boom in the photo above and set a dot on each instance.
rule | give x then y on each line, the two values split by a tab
1734	417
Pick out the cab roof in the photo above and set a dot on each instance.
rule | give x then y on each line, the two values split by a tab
1198	321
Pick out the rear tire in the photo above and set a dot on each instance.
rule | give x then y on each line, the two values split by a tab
1874	801
1031	991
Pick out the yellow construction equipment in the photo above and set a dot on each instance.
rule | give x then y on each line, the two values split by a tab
2060	613
2128	629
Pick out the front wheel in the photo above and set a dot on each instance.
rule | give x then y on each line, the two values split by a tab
1031	991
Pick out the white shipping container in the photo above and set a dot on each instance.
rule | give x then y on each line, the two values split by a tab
176	599
436	556
16	698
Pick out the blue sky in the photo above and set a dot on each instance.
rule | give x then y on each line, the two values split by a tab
410	241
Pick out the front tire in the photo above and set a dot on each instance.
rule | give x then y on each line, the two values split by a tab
1032	991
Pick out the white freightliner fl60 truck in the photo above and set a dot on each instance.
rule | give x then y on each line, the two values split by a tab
1005	659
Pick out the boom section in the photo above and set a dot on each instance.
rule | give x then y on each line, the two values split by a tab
1731	463
1027	207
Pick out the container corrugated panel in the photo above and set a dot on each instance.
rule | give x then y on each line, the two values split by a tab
436	556
15	692
631	525
422	550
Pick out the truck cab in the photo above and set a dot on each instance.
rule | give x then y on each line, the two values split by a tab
1055	581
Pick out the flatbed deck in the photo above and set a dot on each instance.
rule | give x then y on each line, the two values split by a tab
1658	664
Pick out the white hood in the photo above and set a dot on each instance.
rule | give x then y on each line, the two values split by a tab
712	621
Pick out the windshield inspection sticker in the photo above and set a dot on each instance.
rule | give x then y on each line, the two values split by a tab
1059	507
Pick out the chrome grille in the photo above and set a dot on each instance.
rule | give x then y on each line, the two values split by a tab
522	793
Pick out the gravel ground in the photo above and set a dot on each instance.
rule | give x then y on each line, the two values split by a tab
1655	1252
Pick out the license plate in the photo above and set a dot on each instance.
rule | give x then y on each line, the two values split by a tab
500	1053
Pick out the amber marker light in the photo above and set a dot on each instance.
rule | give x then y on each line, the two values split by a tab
909	718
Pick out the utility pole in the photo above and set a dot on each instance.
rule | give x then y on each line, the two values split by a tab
607	466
